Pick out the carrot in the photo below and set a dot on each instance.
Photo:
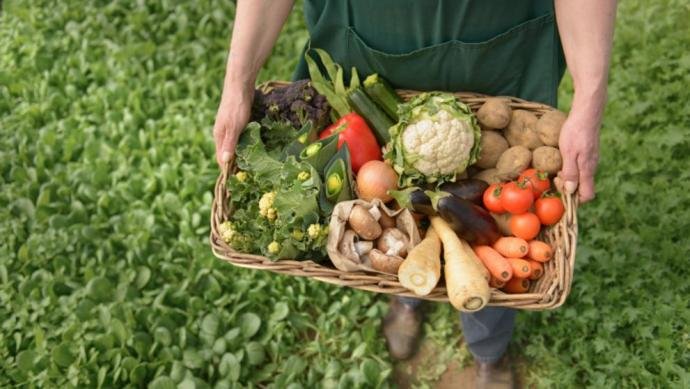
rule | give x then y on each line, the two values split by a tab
521	267
466	278
495	263
510	246
421	270
537	269
496	283
517	285
539	251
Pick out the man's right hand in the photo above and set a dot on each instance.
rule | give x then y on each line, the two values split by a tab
232	116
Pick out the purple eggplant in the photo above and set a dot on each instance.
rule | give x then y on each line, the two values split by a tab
470	189
415	200
471	222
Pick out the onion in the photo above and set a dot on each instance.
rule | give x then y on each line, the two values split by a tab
375	179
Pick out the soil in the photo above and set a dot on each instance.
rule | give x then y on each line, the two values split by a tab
455	375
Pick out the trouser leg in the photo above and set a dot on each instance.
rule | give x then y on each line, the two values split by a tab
488	332
409	301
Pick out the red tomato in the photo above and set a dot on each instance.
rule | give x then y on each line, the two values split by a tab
516	198
492	198
537	180
549	210
525	226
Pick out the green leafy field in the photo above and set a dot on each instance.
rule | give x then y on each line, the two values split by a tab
106	166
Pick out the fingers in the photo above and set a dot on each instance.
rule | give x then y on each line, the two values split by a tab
218	136
228	146
587	169
569	172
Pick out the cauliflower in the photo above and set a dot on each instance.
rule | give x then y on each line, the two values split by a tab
227	232
436	138
317	230
273	247
266	206
241	176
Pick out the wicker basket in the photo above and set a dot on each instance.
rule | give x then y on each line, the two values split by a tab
549	292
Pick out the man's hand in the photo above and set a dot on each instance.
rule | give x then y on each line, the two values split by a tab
579	145
586	30
233	114
255	31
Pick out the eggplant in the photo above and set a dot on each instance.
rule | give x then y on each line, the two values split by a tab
470	189
415	200
471	222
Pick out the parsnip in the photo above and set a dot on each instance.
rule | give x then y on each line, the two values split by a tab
421	270
466	278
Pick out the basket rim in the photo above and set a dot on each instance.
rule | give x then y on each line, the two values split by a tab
553	294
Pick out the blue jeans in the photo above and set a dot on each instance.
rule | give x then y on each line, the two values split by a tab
487	332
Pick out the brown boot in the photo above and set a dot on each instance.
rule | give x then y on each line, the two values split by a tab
401	327
497	375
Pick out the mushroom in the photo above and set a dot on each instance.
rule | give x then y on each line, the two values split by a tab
353	248
347	246
385	263
386	221
364	223
393	242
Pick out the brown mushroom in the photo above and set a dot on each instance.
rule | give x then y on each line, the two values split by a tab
385	263
386	221
364	223
347	246
393	242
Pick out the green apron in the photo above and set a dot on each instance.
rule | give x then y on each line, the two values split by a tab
496	47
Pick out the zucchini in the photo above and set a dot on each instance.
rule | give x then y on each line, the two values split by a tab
374	116
383	94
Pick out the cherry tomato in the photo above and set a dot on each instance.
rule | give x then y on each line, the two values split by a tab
537	180
516	198
492	198
549	210
525	226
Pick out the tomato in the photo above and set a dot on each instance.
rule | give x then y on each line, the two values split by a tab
549	210
537	180
516	198
525	226
492	198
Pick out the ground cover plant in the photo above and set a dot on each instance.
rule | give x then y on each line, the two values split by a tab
106	172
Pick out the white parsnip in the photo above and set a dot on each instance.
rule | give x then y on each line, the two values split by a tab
421	270
466	278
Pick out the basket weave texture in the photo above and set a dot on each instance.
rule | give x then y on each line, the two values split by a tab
549	292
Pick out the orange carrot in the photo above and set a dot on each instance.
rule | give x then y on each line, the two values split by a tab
516	285
510	246
539	251
521	267
537	269
494	262
496	283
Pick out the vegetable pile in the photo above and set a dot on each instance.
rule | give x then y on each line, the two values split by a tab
322	143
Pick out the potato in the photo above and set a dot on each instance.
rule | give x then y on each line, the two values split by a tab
490	176
522	130
494	113
492	146
549	127
513	162
548	159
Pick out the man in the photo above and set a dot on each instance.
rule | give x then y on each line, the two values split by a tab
496	47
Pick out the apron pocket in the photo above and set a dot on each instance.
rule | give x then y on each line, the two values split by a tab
520	62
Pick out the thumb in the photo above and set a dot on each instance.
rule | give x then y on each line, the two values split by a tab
228	146
569	173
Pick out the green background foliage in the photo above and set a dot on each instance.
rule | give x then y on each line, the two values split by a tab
106	166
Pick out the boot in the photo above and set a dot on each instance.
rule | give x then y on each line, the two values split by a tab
401	328
497	375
